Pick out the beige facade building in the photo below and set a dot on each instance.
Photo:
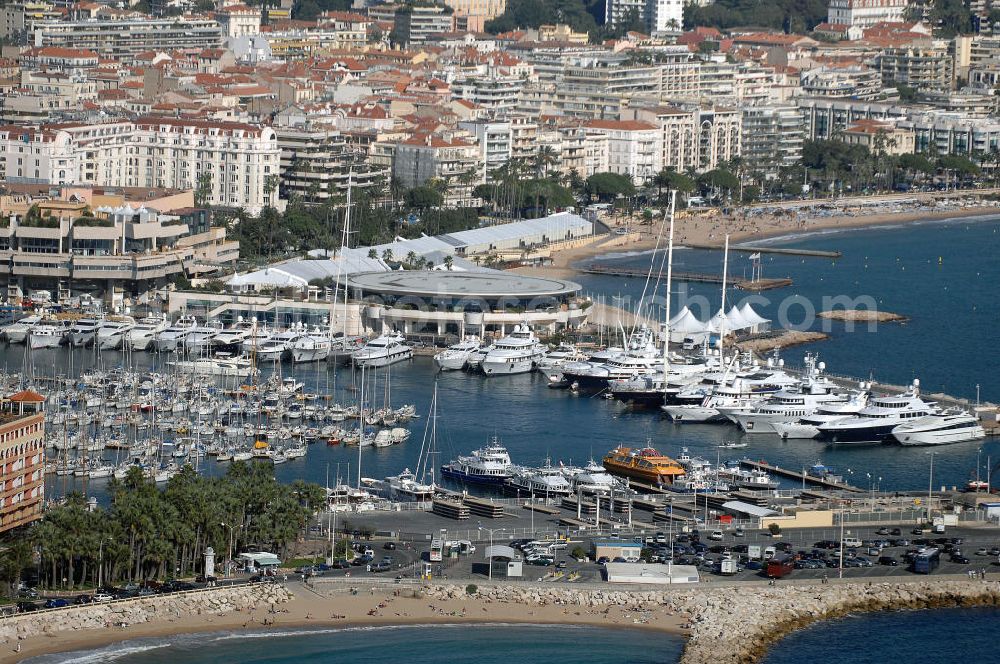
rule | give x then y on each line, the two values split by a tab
22	459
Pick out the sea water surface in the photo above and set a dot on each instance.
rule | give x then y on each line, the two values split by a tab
949	343
940	636
428	644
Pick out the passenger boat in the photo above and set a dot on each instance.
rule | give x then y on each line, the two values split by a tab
547	480
644	464
489	465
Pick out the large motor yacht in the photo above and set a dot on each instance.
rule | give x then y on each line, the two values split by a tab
951	426
488	466
516	353
382	351
172	338
875	423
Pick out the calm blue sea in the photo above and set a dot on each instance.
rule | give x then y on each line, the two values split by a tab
468	644
915	637
949	343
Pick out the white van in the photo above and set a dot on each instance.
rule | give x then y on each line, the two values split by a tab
852	542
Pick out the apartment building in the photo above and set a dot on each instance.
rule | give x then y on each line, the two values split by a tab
879	136
63	246
609	73
926	64
22	459
16	18
865	13
445	156
473	14
494	140
124	38
238	21
317	161
231	162
660	16
633	147
690	136
414	24
853	82
771	136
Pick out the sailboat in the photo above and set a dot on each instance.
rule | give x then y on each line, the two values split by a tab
414	486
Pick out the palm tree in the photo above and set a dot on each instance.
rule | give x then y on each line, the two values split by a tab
387	255
449	261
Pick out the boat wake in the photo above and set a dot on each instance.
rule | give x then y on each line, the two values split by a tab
106	654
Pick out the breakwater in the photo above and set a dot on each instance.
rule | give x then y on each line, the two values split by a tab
736	624
157	608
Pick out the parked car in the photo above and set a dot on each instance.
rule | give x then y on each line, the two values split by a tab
27	593
389	546
960	559
201	578
716	535
738	532
83	599
55	603
888	560
25	607
102	597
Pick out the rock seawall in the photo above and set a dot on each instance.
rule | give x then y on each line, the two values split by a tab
736	624
217	601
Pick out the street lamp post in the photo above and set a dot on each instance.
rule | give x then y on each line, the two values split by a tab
100	561
930	486
229	551
489	559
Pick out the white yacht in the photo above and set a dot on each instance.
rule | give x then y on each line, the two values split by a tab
951	426
17	333
807	427
545	481
47	334
255	339
516	353
640	358
144	334
311	347
551	364
172	338
592	478
455	357
382	351
875	423
239	367
406	487
201	339
230	339
781	407
113	331
274	348
84	331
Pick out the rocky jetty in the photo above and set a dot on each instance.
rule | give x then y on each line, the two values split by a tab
862	316
783	340
737	623
215	601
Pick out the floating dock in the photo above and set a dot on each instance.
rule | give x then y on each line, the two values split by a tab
787	251
691	277
798	475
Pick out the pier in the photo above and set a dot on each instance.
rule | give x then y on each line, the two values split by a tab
787	251
691	277
800	475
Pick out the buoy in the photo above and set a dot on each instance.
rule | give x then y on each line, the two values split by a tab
940	260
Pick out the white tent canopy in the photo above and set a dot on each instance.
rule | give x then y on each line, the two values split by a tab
686	322
735	320
751	316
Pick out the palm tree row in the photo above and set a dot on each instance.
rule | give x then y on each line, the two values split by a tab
147	533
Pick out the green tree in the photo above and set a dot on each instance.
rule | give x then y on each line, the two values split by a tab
203	189
424	197
607	186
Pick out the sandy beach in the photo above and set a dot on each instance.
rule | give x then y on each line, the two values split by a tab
331	606
711	229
